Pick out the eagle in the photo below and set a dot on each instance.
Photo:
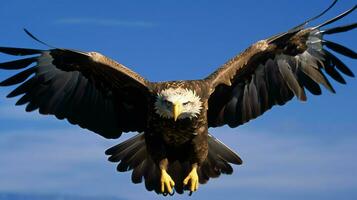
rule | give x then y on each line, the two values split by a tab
173	150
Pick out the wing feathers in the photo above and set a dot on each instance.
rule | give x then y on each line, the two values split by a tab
17	64
19	51
23	88
254	102
85	88
308	83
18	78
230	110
290	79
340	49
246	108
331	71
340	29
339	64
317	76
273	71
262	88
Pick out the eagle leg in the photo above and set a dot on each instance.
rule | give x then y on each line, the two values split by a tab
167	184
192	178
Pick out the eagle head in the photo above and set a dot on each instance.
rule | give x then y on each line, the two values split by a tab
178	103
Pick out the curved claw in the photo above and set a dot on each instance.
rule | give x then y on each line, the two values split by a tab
166	193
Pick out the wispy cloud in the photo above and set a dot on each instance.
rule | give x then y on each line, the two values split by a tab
51	156
299	163
72	160
105	22
12	112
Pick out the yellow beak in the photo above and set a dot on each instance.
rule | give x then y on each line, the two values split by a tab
176	110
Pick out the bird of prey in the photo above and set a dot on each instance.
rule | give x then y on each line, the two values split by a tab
173	150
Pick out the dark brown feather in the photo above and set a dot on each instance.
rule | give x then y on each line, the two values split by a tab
17	64
18	78
289	77
280	67
78	86
340	49
19	51
339	64
340	29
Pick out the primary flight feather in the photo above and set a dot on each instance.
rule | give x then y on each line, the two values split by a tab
174	151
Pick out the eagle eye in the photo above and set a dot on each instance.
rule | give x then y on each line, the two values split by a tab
186	103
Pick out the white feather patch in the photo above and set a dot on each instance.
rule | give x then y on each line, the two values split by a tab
190	101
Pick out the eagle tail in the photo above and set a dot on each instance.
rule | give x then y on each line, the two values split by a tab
132	155
218	161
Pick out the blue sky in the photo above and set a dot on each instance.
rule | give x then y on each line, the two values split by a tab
302	150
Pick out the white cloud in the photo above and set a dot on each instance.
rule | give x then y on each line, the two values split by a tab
72	161
8	110
274	161
12	112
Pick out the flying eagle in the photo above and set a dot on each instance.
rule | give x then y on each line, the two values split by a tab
174	150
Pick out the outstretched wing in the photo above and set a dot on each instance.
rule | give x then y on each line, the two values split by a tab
273	71
86	88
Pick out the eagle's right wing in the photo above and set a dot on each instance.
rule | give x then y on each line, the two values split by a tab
273	71
86	88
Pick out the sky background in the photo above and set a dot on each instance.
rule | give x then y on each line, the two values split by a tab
302	150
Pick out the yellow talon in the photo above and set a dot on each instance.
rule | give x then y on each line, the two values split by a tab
192	178
166	182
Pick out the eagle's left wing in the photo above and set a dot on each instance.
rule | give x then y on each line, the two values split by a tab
86	88
273	71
